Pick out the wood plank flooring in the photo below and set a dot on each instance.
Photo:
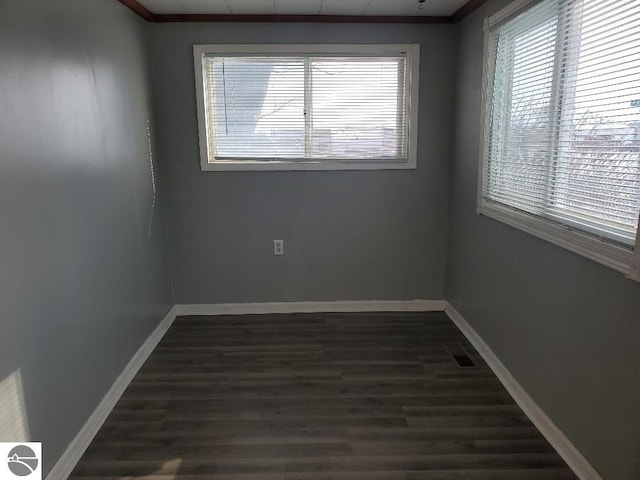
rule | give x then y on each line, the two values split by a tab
317	397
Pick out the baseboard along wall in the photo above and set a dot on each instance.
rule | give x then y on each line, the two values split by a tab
575	460
71	456
313	307
569	453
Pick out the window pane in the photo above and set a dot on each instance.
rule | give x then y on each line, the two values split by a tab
564	119
255	107
357	108
523	112
598	177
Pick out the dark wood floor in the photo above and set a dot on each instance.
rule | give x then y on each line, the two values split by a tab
317	397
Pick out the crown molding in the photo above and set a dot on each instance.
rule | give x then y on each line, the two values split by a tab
139	9
142	11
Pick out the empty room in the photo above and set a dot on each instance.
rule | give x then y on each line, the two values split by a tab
320	239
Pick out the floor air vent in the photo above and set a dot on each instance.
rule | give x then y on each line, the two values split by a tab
459	355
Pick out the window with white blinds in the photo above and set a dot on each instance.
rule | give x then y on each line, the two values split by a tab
561	136
295	107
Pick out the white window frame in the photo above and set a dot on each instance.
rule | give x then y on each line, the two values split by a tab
412	52
600	250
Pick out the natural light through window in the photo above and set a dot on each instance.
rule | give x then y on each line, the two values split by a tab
562	121
14	425
327	108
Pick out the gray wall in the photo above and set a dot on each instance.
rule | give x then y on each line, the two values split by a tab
567	328
348	235
82	281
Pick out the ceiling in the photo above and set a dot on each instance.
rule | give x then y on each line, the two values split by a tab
442	8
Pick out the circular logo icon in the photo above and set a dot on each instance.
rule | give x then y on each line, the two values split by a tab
22	461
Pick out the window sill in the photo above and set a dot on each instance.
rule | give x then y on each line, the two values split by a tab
243	166
607	254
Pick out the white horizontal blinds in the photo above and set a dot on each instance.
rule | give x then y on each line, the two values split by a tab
600	150
523	105
564	138
305	107
358	108
255	107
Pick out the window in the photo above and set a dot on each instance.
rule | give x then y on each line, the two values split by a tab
298	107
561	143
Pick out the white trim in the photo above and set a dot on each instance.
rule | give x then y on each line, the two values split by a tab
312	307
569	453
634	264
68	460
600	251
317	48
248	165
201	109
412	51
488	76
412	94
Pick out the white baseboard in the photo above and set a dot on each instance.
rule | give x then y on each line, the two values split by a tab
313	307
67	462
569	453
576	461
71	456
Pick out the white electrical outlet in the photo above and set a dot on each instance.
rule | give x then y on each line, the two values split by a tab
278	247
